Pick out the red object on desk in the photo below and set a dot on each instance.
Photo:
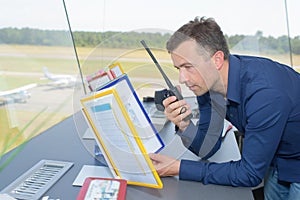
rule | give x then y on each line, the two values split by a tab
103	188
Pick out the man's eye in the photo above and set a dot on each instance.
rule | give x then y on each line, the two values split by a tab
188	66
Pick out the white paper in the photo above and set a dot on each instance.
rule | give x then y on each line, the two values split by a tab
119	141
91	171
88	134
117	119
6	197
146	133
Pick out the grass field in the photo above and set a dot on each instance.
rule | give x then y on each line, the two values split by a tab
21	65
31	59
136	62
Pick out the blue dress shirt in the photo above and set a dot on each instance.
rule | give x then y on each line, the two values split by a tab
263	102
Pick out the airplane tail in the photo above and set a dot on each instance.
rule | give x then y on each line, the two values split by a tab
46	72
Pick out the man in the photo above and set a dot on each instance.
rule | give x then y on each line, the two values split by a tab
261	99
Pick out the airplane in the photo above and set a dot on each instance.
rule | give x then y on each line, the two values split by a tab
18	95
59	80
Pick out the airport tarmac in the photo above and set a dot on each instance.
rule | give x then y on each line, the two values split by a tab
57	103
44	96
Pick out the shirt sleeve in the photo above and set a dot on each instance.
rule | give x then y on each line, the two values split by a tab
204	138
266	115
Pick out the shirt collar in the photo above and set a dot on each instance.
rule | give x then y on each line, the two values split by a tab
234	82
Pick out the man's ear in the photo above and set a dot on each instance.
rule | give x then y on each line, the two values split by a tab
218	59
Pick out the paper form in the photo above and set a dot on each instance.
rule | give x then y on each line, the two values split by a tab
107	123
118	139
146	130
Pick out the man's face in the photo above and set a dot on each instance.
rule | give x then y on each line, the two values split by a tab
196	72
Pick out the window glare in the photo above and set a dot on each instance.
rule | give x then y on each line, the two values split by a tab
40	81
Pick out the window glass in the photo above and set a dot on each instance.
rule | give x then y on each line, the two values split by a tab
40	81
38	70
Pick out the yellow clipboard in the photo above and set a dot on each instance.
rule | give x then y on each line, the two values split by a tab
116	70
118	139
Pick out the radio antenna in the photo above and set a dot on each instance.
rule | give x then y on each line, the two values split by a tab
170	85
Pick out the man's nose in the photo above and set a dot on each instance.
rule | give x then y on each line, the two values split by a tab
182	76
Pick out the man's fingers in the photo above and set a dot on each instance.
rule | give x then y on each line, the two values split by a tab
154	157
164	165
175	105
157	158
168	101
183	110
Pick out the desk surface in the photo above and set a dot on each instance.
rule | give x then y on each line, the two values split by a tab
62	142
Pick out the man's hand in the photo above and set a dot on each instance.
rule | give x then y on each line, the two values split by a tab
164	165
173	111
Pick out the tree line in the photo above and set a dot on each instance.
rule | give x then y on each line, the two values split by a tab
111	39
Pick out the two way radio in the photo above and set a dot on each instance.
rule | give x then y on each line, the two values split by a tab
163	94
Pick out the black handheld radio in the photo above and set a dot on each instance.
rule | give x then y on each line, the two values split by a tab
173	91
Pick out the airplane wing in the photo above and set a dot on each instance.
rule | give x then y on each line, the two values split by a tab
17	90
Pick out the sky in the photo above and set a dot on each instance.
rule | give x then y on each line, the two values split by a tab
234	16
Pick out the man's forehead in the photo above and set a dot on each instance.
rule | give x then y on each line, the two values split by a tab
185	45
178	60
184	50
188	51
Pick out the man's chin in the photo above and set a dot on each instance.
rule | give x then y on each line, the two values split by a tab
198	93
197	90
